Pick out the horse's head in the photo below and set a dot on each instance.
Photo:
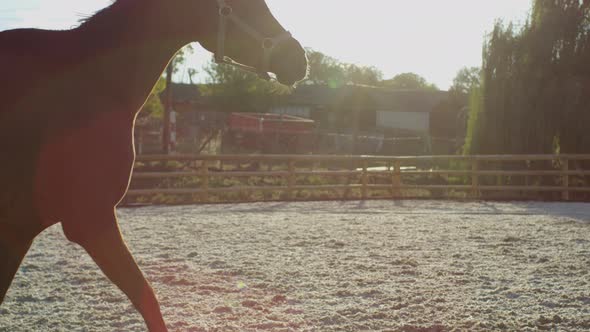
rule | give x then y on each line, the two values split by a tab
246	34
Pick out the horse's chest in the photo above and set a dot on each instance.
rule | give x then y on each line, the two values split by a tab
89	163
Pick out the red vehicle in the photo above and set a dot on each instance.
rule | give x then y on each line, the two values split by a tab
271	133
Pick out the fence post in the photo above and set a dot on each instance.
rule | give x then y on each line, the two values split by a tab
527	178
205	176
396	180
499	178
364	179
474	178
566	179
291	180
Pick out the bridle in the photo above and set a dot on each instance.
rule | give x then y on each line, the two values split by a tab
268	44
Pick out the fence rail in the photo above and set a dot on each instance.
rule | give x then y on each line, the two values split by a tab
474	175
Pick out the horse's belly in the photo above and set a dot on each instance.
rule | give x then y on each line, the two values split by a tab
85	168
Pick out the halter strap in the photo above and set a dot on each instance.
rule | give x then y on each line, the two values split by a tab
268	44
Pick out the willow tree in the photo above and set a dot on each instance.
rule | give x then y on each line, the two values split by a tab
535	92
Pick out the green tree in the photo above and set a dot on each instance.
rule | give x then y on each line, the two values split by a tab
326	70
473	120
467	78
240	90
409	81
362	75
180	58
153	106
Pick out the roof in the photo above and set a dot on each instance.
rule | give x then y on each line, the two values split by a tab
377	98
380	98
183	93
283	118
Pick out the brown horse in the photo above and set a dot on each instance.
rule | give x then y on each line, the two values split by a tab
69	102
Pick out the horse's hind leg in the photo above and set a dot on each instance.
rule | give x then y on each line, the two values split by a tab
13	248
105	244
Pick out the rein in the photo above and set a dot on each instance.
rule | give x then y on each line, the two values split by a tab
268	44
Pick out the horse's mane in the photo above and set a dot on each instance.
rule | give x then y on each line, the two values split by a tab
100	16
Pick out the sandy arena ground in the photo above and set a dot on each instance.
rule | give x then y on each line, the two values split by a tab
373	266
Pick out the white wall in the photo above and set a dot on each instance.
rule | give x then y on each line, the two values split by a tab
418	121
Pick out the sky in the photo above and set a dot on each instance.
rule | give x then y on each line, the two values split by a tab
432	38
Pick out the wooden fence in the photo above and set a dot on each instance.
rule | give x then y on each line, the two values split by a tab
473	176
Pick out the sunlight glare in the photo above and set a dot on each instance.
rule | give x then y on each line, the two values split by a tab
432	38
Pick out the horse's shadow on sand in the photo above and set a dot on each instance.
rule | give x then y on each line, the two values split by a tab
579	212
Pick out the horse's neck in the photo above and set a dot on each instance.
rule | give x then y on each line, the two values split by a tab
126	55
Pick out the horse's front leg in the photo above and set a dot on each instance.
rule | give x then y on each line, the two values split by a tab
13	248
101	238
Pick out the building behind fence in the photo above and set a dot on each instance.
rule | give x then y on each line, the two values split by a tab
347	120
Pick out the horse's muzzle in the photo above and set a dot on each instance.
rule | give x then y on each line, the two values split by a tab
289	63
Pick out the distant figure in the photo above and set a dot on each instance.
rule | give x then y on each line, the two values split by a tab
69	102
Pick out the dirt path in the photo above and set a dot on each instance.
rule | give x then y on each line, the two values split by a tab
375	266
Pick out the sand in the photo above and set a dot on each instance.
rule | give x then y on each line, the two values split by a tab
329	266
